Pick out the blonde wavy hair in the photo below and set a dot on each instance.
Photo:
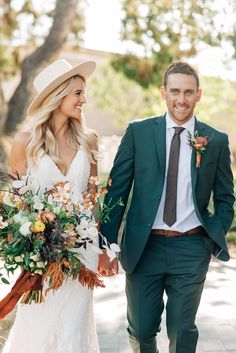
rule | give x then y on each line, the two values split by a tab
42	140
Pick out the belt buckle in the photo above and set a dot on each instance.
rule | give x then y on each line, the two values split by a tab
166	233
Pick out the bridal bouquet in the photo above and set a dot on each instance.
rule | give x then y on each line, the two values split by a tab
43	232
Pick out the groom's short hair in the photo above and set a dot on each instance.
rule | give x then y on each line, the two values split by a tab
180	67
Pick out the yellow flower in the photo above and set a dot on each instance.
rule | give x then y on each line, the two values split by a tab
39	226
18	204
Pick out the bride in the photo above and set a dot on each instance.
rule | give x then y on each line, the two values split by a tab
57	146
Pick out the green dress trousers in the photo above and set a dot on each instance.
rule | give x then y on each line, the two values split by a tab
178	267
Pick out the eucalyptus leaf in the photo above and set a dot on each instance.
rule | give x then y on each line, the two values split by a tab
4	280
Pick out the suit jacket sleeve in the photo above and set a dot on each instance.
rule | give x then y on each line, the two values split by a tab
122	178
223	192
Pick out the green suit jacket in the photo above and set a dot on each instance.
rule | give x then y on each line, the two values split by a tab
140	165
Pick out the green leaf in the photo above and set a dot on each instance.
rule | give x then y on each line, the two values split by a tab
38	244
5	281
26	259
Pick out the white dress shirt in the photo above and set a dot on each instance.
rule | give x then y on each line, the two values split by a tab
186	215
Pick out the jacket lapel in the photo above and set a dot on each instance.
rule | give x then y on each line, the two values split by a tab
160	138
194	170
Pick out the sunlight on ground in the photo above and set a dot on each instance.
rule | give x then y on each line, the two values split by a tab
215	319
110	302
219	300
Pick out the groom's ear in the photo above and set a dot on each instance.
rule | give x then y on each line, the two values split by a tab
163	92
199	94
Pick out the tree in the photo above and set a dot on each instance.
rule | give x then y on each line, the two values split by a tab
63	16
48	29
168	30
124	100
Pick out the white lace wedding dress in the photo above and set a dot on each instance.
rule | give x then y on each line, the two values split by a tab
64	323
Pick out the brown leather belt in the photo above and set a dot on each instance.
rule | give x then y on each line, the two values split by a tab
173	233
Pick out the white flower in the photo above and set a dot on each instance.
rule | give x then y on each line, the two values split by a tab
19	258
31	264
84	223
96	249
20	218
92	231
16	198
82	228
2	223
111	250
19	183
40	272
67	187
7	200
35	257
25	228
33	184
40	264
115	247
38	205
86	212
24	189
50	200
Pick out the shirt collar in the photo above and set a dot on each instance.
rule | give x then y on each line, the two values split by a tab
189	125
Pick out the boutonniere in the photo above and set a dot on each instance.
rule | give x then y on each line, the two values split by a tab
198	144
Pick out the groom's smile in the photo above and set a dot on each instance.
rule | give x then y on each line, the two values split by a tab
181	95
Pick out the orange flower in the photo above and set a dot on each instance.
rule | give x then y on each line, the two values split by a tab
10	238
46	216
1	198
198	144
202	141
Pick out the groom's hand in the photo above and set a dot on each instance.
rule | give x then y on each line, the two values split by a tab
106	267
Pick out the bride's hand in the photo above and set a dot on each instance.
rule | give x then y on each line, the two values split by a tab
106	267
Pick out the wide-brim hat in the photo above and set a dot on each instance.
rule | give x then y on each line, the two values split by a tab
54	75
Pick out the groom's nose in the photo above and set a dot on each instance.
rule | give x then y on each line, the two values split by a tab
181	98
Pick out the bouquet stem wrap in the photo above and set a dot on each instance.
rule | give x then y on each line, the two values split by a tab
26	282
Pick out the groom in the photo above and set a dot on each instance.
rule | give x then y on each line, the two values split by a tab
170	231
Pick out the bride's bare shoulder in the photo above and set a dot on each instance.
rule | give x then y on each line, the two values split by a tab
21	138
18	160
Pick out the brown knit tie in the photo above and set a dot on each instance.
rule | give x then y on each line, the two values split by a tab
169	216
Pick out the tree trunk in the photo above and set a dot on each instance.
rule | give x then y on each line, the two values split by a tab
2	105
2	119
65	11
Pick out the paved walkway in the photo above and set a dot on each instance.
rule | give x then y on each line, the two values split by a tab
216	315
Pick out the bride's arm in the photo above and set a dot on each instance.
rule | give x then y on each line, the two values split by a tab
92	188
18	162
105	266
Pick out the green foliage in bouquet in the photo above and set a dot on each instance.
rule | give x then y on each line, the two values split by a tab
43	231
